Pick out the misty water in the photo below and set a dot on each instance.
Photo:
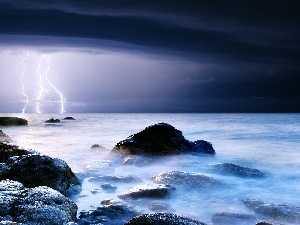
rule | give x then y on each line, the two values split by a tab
267	142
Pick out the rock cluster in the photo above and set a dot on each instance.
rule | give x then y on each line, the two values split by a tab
52	120
161	139
40	205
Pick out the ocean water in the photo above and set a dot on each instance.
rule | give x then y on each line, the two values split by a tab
267	142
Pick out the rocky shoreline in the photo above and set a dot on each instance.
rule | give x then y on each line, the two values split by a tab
35	189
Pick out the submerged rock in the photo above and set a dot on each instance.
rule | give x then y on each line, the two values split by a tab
161	139
11	121
40	205
52	121
188	180
111	213
162	219
120	179
280	212
236	170
4	137
148	191
37	170
229	218
97	146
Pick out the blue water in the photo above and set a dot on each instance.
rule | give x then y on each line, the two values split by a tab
268	142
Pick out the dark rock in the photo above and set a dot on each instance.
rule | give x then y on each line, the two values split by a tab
37	170
229	218
121	179
52	121
148	191
162	219
7	151
41	205
111	214
239	171
11	121
161	139
188	180
280	212
4	137
97	146
263	223
69	118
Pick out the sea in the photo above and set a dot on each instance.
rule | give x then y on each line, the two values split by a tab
267	142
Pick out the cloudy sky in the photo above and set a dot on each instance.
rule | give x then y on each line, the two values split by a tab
149	56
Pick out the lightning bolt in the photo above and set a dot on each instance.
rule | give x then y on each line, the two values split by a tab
22	72
45	84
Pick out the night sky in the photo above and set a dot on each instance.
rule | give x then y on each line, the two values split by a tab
151	56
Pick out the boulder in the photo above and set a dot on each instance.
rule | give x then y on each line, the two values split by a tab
40	205
188	180
7	151
236	170
37	170
161	139
148	191
52	121
12	121
229	218
4	138
110	213
162	219
280	212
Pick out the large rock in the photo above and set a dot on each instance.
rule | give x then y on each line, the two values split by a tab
161	139
280	212
162	219
37	170
4	137
236	170
11	121
110	213
32	206
188	180
148	191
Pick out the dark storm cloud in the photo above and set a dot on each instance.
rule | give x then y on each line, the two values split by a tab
253	45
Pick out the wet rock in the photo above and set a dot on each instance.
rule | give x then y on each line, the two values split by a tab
148	191
280	212
37	170
162	219
69	118
229	218
188	180
97	146
263	223
52	120
236	170
120	179
4	137
7	151
108	187
11	121
161	139
112	213
41	205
